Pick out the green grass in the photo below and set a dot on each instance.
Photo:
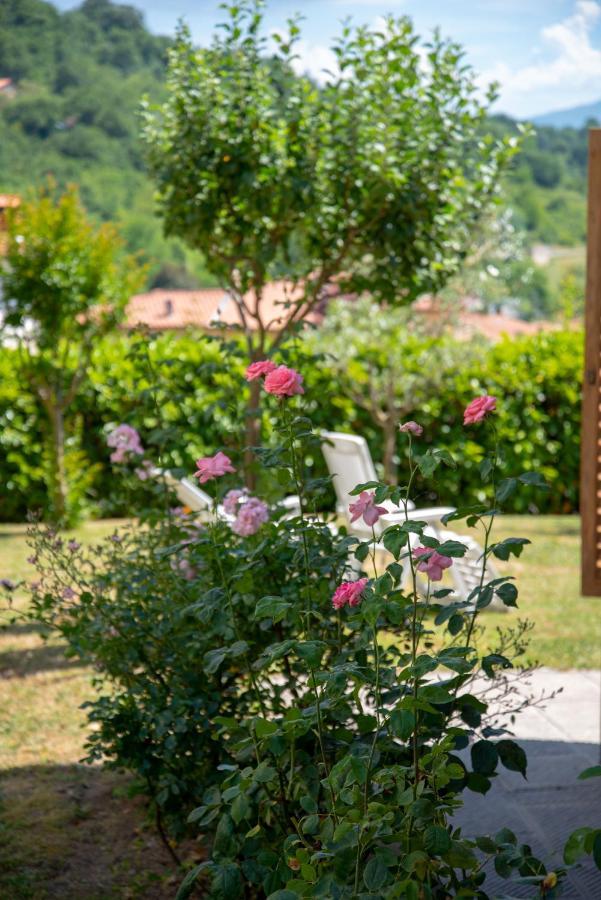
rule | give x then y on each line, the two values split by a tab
567	626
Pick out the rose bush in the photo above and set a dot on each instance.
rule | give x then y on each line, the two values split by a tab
313	709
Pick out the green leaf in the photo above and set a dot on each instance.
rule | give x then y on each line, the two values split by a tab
484	757
478	783
597	850
402	723
510	546
308	804
366	486
227	882
264	728
311	652
492	660
574	847
271	608
187	885
456	623
213	659
512	756
437	840
486	467
375	874
508	593
240	808
505	489
534	479
592	772
486	844
452	548
394	539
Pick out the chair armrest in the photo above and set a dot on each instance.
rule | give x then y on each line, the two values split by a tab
292	501
429	514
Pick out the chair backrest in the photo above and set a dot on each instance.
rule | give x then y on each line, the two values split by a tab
349	461
187	492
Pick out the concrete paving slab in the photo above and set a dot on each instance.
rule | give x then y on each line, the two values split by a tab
560	741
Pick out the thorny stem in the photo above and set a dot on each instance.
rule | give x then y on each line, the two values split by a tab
301	494
228	594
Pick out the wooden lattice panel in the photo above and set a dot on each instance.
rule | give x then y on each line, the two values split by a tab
590	473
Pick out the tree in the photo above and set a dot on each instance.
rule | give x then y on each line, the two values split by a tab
65	283
388	361
376	179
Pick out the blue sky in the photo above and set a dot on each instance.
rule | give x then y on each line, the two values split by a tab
546	54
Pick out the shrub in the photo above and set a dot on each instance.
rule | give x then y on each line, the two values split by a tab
539	378
310	723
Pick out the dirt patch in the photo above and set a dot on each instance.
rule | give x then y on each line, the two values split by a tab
75	832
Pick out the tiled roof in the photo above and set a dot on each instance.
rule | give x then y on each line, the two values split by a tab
167	309
9	200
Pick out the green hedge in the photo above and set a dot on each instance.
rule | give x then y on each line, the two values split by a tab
186	382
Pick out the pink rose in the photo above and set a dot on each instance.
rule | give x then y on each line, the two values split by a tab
434	565
232	500
125	440
365	506
478	409
252	514
210	467
144	471
412	428
349	592
259	369
284	382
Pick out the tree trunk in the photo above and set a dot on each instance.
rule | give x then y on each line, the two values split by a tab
58	481
252	435
52	401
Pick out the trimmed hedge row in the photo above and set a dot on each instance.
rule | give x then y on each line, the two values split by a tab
186	382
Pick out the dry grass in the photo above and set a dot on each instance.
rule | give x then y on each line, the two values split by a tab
66	830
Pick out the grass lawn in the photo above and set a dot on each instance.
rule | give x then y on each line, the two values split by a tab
74	832
66	830
567	632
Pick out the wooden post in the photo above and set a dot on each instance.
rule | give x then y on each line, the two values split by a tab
590	466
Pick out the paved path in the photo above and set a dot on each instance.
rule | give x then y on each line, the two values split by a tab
560	740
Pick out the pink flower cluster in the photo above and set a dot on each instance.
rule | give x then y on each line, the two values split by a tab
126	441
232	500
209	467
252	514
348	593
279	380
411	428
478	409
434	565
365	506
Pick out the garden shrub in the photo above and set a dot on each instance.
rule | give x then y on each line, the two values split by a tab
190	380
308	722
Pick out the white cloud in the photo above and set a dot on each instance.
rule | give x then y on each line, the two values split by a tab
568	69
316	60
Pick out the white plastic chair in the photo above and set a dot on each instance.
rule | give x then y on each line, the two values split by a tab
349	463
193	496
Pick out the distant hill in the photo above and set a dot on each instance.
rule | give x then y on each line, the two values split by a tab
574	117
70	111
